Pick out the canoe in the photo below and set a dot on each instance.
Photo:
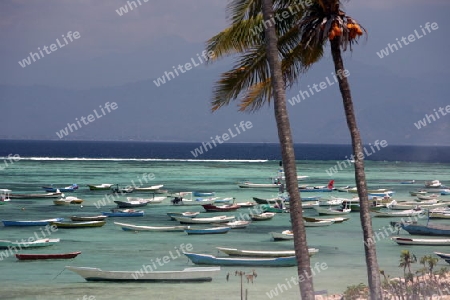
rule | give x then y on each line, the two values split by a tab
234	224
285	235
100	187
443	255
336	219
188	214
206	259
203	194
217	219
318	223
88	218
262	217
130	204
220	208
70	255
5	244
186	275
428	242
131	227
124	213
430	229
35	196
85	224
31	223
332	211
213	230
150	189
402	213
259	253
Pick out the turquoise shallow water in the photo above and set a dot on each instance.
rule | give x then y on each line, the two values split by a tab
110	248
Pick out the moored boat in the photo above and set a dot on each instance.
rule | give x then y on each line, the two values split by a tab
100	187
51	189
220	208
6	244
131	227
130	204
429	229
85	224
212	230
336	219
332	211
216	219
234	224
262	253
124	213
284	235
423	242
263	216
206	259
88	218
203	194
22	256
318	223
268	201
189	214
400	213
35	196
31	223
186	275
149	189
443	255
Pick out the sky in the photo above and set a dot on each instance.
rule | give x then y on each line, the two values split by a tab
123	53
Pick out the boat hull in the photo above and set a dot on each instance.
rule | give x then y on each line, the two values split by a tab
435	230
31	223
214	230
71	255
4	244
422	242
205	259
86	224
257	253
131	227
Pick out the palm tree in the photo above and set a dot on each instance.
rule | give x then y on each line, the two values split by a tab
406	259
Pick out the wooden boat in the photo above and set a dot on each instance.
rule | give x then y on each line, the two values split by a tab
414	205
332	202
314	190
130	204
125	190
6	244
427	242
213	230
417	193
268	201
86	224
246	204
217	219
100	187
35	196
206	259
234	224
262	217
203	194
153	200
68	201
284	235
318	223
430	229
149	189
445	192
332	211
21	256
186	275
180	199
189	214
71	188
382	194
88	218
220	208
443	255
427	197
130	227
266	208
309	204
354	190
124	213
260	253
31	223
336	219
439	215
401	213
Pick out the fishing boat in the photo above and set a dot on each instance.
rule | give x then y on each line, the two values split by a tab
382	194
262	253
408	182
153	200
35	196
354	190
149	189
6	244
415	193
269	201
124	213
189	214
203	194
100	187
414	205
227	200
180	199
332	211
443	255
31	223
220	208
445	192
85	224
4	196
213	230
400	213
186	275
262	217
21	256
318	223
131	227
266	208
70	188
246	204
68	201
433	184
130	204
336	219
217	219
234	224
425	242
429	229
332	201
206	259
284	235
88	218
309	204
439	215
126	190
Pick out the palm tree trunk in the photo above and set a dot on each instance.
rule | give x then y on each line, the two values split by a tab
288	156
360	176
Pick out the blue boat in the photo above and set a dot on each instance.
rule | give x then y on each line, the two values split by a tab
51	189
31	223
382	194
313	190
213	230
206	259
203	194
445	192
124	213
435	229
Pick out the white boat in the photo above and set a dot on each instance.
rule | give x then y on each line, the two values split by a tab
6	244
318	223
427	197
131	227
401	213
261	253
433	184
185	198
331	202
284	235
234	224
414	241
153	200
186	275
217	219
4	195
414	205
262	217
246	204
336	219
439	215
152	188
308	204
332	211
417	193
67	201
372	191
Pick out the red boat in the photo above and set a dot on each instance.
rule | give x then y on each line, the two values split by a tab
47	256
221	208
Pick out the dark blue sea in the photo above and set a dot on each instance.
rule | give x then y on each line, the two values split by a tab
226	151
